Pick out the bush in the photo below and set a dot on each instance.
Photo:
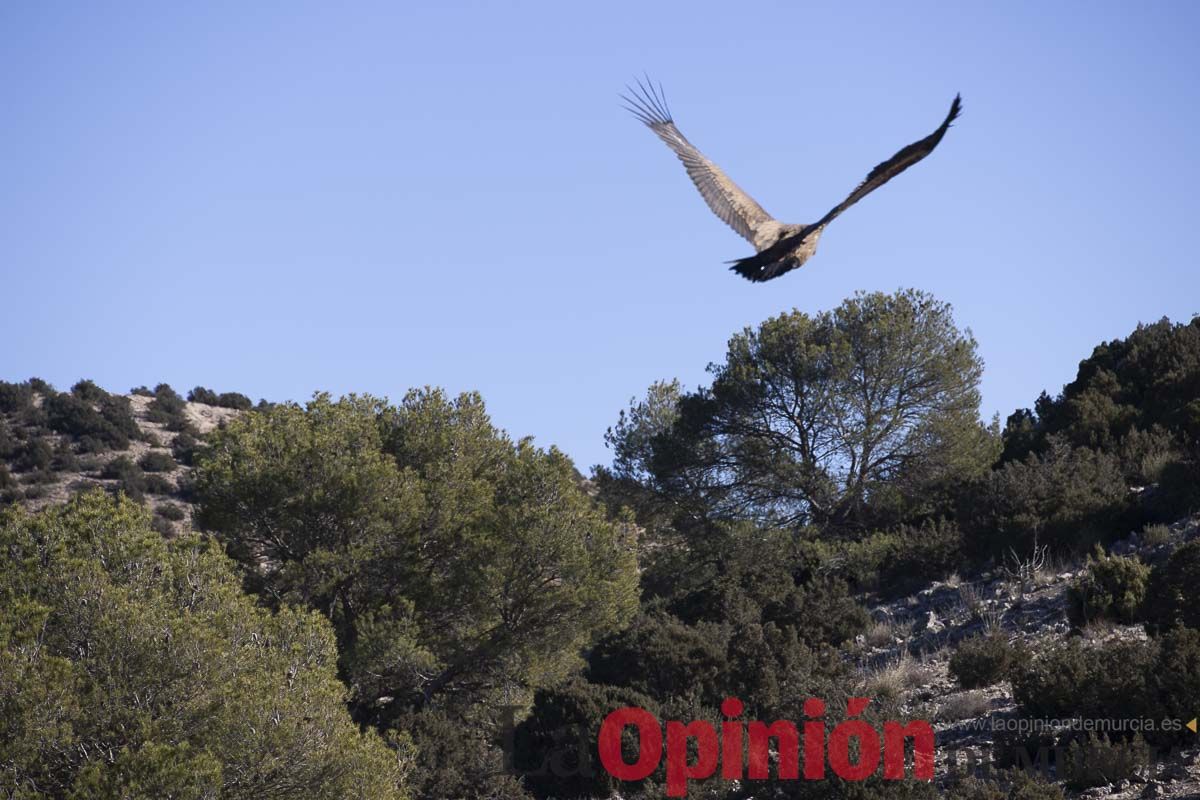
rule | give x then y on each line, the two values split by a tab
1169	598
88	391
234	400
1103	681
15	397
141	391
562	726
198	691
112	425
1066	498
65	459
171	512
1097	761
1176	681
1156	535
1112	587
35	455
982	661
1178	491
202	395
129	476
168	409
185	447
157	484
157	461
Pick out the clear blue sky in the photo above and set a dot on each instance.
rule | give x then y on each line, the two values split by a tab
278	198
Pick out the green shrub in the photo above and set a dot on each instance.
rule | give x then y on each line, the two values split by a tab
171	512
185	447
141	391
1178	491
1156	535
562	725
1112	587
1027	787
1176	681
88	391
1170	598
202	395
15	397
113	425
114	636
157	484
1097	761
35	455
157	461
65	459
982	661
1016	784
168	409
235	400
129	476
1101	681
1066	498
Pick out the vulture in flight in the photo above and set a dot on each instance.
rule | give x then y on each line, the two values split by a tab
780	247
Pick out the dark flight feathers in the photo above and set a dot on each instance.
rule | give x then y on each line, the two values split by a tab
771	262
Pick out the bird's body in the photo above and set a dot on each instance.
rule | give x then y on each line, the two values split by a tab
779	247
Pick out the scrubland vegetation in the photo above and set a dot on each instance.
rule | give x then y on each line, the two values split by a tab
355	598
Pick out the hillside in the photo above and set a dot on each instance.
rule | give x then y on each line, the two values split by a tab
1022	588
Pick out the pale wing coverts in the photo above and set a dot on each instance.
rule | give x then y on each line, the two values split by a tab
728	201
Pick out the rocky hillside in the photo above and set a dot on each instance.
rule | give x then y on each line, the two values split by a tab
55	444
978	653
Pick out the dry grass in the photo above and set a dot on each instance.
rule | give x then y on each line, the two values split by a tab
965	705
891	680
885	633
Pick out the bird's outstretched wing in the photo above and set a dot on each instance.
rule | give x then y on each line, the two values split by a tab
762	266
736	208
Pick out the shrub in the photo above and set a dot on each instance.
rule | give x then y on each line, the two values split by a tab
88	391
1169	598
15	397
1112	587
157	461
235	400
185	447
1066	498
1097	761
1020	786
965	705
129	476
157	484
202	395
1178	491
1176	680
112	425
168	409
162	526
1026	787
562	725
1156	535
199	691
171	512
65	459
981	661
1103	681
35	455
141	391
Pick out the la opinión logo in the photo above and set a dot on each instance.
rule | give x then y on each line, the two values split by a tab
754	740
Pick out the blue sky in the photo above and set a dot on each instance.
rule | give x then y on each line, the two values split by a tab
279	198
